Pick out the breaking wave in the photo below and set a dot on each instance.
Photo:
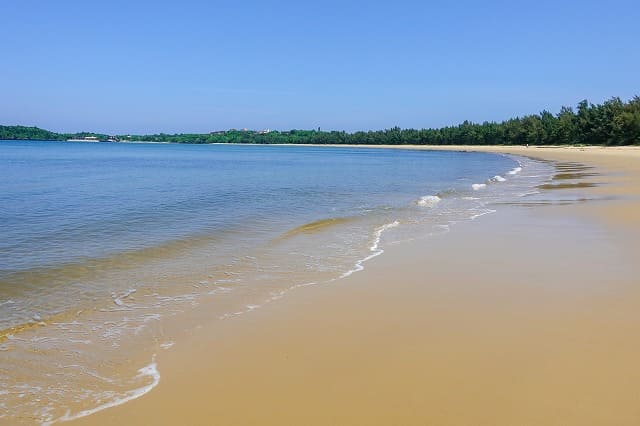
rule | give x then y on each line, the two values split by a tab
428	200
478	186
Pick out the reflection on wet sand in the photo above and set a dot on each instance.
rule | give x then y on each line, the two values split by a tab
568	176
574	175
575	185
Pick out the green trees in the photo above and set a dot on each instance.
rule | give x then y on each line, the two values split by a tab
33	133
626	124
614	122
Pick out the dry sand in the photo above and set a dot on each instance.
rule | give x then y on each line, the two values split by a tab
529	316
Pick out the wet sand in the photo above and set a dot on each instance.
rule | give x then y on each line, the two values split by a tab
527	316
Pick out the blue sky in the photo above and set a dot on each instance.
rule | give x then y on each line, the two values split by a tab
197	66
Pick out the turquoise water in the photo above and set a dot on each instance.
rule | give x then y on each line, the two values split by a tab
102	242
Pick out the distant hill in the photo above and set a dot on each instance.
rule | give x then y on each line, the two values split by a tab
31	133
36	133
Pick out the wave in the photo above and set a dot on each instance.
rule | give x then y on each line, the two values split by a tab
428	200
495	179
87	268
515	171
316	226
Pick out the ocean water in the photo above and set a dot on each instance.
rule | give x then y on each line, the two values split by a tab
102	244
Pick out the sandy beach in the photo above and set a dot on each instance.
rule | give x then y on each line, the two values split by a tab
528	316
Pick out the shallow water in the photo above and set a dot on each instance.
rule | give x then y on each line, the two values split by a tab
101	243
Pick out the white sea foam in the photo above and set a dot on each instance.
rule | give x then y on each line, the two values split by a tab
478	186
428	200
117	298
380	231
498	178
515	171
374	249
150	371
482	213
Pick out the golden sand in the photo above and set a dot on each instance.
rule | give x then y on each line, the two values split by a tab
530	316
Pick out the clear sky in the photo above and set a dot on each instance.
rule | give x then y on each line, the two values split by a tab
196	66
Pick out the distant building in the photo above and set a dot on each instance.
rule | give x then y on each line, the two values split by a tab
84	139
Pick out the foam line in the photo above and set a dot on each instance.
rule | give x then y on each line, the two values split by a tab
374	248
150	370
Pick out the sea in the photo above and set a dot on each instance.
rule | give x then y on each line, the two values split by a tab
104	247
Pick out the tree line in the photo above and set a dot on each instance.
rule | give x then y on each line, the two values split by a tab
35	133
614	122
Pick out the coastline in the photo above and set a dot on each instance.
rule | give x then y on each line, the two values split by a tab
454	340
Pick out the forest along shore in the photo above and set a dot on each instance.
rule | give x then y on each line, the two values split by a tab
525	316
612	123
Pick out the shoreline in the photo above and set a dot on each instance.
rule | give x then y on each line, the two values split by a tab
123	343
226	338
333	369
